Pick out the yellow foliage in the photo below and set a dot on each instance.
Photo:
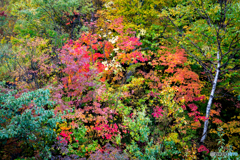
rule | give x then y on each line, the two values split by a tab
232	130
136	14
173	137
64	126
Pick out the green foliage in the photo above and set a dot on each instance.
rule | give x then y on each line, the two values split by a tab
159	151
170	149
137	14
140	132
49	18
25	119
81	141
138	126
222	146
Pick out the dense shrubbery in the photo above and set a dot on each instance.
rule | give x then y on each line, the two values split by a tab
26	123
106	79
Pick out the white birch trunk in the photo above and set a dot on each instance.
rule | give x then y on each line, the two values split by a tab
211	98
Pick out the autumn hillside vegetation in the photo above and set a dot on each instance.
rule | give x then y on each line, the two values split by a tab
119	79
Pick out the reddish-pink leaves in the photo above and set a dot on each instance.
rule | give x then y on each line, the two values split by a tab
194	113
107	131
203	148
157	112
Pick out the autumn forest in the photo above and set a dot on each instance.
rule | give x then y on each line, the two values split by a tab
119	79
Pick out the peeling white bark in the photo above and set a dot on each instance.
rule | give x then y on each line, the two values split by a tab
211	98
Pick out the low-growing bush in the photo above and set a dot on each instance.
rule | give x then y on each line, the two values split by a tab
27	127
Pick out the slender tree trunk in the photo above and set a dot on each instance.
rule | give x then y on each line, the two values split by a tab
211	99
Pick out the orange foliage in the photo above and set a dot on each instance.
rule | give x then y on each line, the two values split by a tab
176	74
